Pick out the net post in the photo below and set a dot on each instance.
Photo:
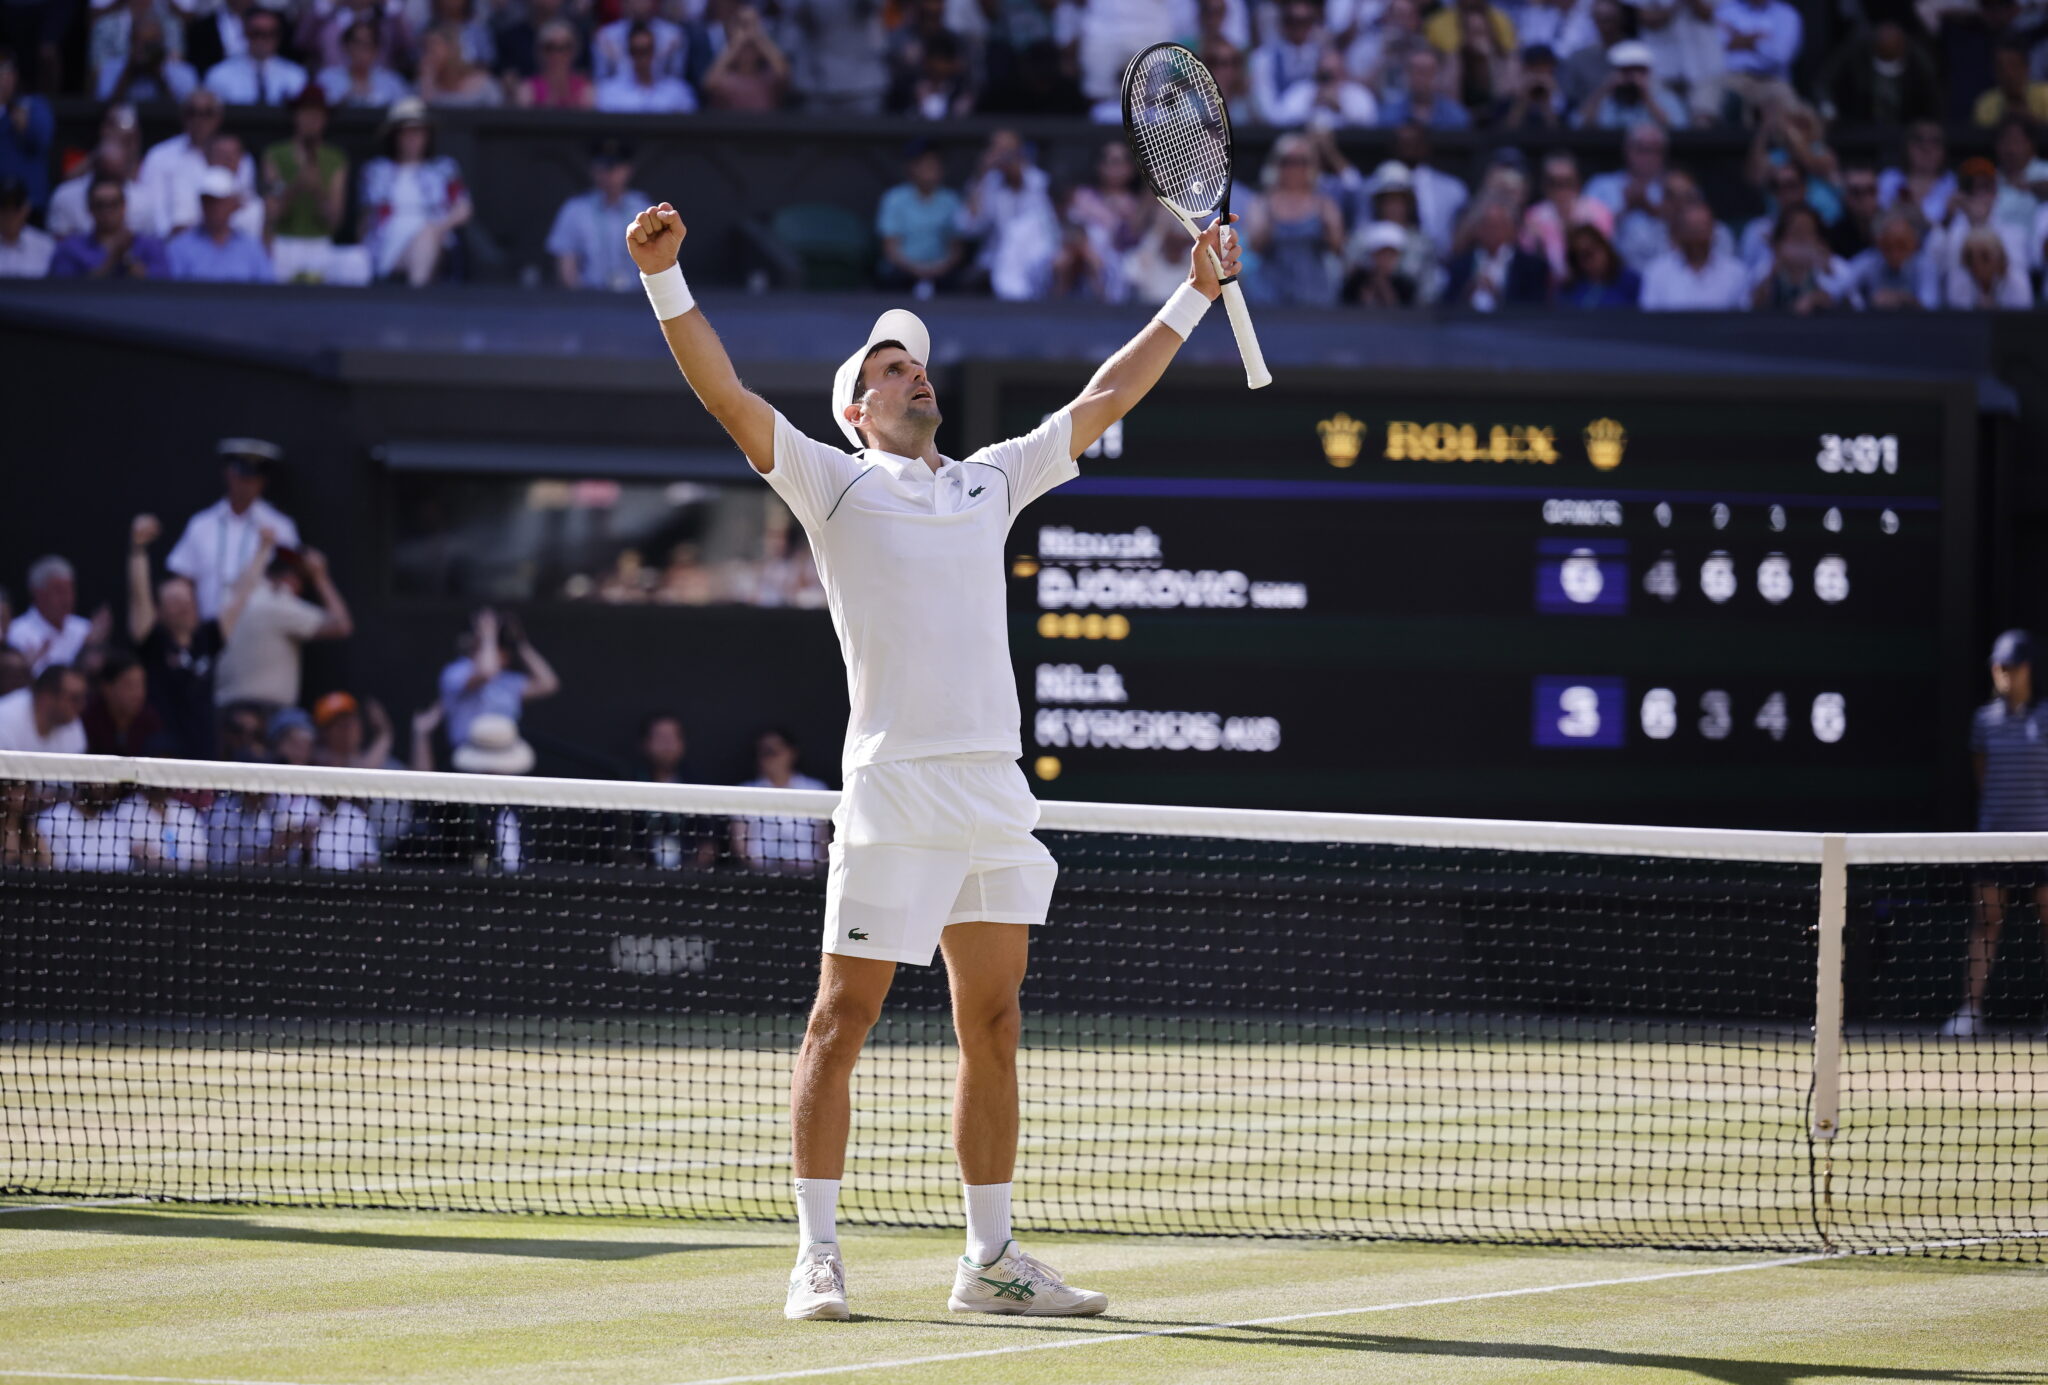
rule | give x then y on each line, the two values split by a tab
1827	1007
1827	1023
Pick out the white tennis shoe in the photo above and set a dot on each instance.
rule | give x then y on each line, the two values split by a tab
817	1286
1018	1284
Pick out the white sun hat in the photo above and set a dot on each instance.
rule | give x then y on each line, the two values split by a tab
494	747
898	324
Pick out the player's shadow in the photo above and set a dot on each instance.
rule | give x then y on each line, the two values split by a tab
211	1224
1728	1370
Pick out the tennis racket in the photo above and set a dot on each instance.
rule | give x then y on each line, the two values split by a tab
1179	132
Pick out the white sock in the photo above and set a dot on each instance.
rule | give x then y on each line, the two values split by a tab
988	1221
817	1212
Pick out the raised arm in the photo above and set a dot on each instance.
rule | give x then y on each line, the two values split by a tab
1130	374
339	625
141	601
245	585
653	239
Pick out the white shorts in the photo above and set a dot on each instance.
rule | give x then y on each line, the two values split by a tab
920	844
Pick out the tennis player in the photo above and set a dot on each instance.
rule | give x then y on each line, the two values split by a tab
933	848
2009	752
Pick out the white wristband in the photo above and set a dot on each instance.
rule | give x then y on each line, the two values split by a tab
1182	311
668	293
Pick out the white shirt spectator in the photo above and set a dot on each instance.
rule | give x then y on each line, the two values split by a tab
247	81
1959	290
1934	206
1944	246
1355	106
171	173
1277	66
219	544
1687	49
665	96
1562	28
1438	199
174	81
18	728
1778	30
345	839
385	87
1672	285
609	61
781	841
44	643
260	662
1112	30
69	215
1021	233
78	840
1236	27
28	257
169	835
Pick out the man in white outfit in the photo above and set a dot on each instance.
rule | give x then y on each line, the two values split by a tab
933	847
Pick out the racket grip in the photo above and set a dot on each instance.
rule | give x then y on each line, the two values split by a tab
1256	376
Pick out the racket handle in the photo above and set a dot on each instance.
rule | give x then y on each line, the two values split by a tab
1256	376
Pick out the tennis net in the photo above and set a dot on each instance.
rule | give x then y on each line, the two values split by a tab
285	985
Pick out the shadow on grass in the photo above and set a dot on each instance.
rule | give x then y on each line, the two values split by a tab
1729	1370
213	1225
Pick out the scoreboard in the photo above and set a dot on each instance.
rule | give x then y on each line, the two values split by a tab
1717	603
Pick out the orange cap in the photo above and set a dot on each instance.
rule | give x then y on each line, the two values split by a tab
333	707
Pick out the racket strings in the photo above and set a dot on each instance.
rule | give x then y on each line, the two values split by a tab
1179	129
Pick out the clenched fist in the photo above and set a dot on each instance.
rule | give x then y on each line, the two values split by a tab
654	237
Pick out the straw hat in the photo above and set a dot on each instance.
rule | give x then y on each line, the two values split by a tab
494	747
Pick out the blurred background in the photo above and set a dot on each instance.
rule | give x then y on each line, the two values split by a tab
1654	435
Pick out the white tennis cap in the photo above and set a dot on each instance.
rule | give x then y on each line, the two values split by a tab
898	324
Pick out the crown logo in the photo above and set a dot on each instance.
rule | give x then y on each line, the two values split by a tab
1342	436
1605	442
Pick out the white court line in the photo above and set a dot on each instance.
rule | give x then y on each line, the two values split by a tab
1104	1338
68	1206
158	1379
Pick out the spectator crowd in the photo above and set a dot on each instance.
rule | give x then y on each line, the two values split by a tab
1533	226
208	665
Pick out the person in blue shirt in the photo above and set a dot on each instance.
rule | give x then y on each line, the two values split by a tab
110	250
214	251
585	241
482	682
1423	103
917	223
2009	750
1598	279
27	128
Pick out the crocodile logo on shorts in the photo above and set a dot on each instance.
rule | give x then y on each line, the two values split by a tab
976	491
856	935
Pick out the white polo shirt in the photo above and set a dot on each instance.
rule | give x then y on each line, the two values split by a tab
218	544
913	565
